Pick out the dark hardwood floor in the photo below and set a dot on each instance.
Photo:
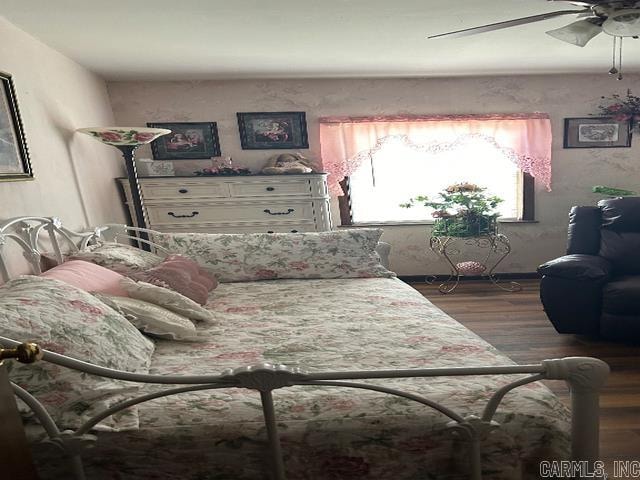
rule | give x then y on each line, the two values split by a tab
516	324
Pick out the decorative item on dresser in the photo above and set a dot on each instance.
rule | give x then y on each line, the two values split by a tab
287	164
242	204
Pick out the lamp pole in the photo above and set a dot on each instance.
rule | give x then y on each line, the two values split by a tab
134	186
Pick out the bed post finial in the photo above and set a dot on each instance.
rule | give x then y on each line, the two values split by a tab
586	377
581	372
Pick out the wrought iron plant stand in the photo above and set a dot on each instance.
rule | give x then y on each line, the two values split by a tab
497	248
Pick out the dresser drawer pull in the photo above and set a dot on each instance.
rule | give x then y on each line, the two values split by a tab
183	190
270	189
270	231
289	210
193	214
294	231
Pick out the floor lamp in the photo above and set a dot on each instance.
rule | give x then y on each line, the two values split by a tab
127	139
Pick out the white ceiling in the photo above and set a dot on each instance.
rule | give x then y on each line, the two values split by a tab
198	39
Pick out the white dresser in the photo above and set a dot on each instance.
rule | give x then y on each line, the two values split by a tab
243	204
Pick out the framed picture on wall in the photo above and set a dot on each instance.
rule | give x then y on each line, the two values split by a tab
596	132
14	155
272	130
187	140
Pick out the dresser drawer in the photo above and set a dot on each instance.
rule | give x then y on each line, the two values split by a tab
185	191
263	212
295	228
270	188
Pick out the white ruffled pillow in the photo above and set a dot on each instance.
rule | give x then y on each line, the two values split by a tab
152	319
345	253
165	298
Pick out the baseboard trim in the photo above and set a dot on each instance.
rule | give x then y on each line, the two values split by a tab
441	278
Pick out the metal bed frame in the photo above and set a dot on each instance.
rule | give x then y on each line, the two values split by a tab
585	376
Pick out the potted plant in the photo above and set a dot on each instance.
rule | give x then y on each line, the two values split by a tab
463	210
622	108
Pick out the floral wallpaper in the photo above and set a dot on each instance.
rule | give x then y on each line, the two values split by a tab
574	171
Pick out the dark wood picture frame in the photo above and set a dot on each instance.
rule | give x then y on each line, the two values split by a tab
187	141
14	154
596	132
272	130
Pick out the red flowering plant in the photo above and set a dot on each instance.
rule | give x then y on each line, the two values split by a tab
621	108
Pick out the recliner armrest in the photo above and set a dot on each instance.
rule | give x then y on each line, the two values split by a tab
578	267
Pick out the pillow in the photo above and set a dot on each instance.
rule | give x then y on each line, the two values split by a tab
182	275
152	319
264	256
70	321
118	257
163	297
87	276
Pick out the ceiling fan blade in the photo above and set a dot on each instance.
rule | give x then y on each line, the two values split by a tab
579	3
578	33
507	24
592	3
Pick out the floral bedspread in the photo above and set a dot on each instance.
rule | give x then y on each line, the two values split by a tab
327	432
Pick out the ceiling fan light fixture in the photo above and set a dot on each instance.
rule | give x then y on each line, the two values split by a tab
623	23
577	33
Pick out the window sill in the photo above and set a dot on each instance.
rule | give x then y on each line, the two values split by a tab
508	221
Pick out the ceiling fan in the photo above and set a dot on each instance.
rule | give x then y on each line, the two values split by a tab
618	18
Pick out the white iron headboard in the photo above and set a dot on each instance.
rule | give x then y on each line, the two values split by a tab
32	234
37	236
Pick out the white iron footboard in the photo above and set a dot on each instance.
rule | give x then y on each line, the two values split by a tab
585	377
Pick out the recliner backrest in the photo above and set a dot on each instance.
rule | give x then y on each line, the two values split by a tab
620	233
584	231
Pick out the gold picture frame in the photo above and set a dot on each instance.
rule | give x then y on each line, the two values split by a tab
14	154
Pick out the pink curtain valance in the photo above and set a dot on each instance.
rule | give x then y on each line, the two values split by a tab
346	141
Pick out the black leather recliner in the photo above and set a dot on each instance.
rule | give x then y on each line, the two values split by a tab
595	288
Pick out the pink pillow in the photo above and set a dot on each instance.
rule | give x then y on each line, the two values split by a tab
88	276
182	275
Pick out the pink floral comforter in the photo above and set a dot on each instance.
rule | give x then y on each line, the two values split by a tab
330	433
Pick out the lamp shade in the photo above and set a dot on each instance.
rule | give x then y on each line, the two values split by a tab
577	33
122	136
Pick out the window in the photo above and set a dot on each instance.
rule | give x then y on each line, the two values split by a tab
397	171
